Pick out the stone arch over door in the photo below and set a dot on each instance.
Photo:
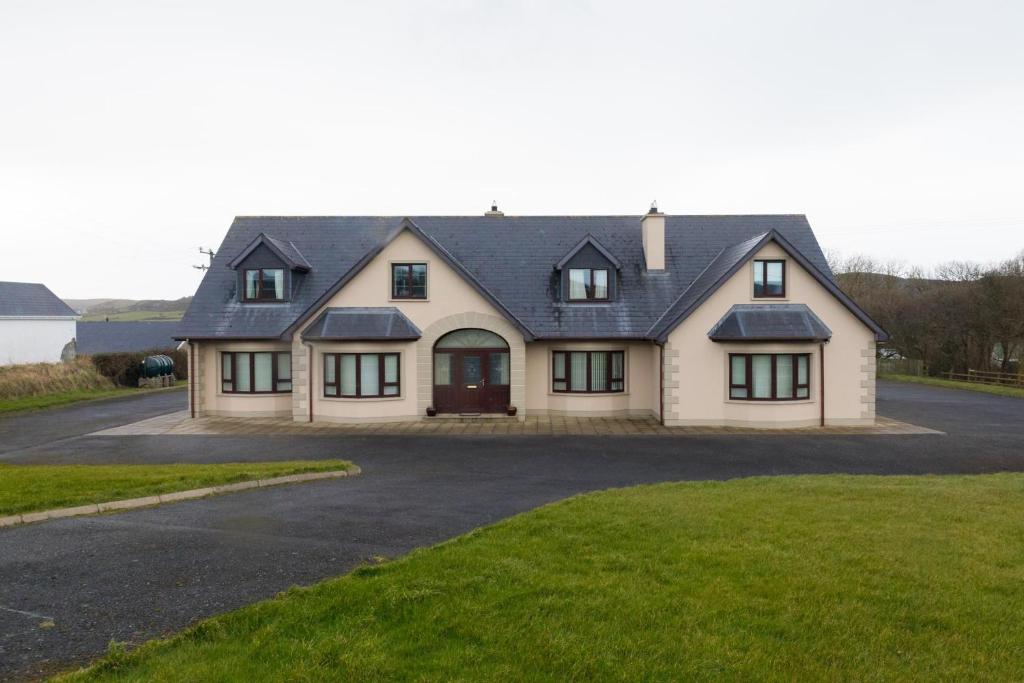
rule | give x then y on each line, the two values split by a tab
483	321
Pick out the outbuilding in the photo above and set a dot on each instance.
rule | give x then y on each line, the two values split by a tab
35	325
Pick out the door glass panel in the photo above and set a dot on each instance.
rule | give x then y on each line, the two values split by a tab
472	369
498	368
369	375
442	369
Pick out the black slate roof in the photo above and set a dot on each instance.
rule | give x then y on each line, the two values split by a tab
104	337
363	324
770	322
29	299
511	258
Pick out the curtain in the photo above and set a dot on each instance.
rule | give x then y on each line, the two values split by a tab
225	371
578	371
391	374
251	282
618	371
761	368
284	366
264	379
801	377
369	377
598	371
773	277
783	376
442	369
242	371
600	284
329	375
278	284
348	374
577	283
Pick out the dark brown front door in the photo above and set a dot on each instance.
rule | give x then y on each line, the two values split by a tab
471	381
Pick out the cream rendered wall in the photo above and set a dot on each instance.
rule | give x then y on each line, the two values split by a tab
696	372
640	397
34	340
451	304
210	400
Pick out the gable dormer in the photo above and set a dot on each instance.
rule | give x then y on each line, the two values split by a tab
268	269
588	273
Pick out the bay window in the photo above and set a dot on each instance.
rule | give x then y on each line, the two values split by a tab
769	376
588	372
361	375
257	372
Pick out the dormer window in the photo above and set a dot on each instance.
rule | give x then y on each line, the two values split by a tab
264	284
769	279
588	284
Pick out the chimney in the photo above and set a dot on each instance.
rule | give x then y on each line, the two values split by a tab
652	231
494	210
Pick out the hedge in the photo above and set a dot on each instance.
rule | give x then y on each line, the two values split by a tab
123	367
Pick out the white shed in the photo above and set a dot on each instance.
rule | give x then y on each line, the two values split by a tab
35	325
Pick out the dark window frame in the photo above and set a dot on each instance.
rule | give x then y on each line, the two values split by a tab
275	375
408	279
381	383
259	285
592	287
609	367
764	284
748	385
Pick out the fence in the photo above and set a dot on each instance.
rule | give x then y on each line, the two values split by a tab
987	377
900	366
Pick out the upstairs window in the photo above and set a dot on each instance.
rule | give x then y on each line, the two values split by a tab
409	281
264	284
588	284
770	279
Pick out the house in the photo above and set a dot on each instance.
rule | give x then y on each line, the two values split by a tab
695	320
35	325
118	336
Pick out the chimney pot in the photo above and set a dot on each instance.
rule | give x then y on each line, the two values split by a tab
494	209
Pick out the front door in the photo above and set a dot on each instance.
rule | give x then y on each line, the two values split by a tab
471	381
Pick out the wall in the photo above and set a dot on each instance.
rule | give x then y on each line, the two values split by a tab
25	340
451	304
640	397
210	400
696	372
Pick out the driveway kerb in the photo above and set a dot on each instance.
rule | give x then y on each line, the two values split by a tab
151	501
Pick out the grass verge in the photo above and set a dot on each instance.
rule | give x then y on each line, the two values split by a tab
32	488
783	578
954	384
14	405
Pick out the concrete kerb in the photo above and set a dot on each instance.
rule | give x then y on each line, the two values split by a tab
150	501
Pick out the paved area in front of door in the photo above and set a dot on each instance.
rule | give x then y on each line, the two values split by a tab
180	423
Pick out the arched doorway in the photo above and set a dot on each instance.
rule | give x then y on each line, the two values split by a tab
471	372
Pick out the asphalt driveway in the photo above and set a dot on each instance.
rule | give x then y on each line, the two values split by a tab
136	575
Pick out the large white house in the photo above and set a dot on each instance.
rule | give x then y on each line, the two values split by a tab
35	325
695	320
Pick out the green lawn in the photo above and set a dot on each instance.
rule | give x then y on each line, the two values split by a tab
953	384
133	316
787	578
29	488
13	405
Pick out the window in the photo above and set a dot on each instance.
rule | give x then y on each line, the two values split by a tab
769	376
588	284
769	278
408	280
588	372
361	375
264	372
264	284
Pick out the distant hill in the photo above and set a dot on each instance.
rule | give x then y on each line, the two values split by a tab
130	309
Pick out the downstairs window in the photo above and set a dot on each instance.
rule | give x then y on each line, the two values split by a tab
588	372
769	376
361	375
262	372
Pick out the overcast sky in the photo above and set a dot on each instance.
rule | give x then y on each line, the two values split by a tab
131	133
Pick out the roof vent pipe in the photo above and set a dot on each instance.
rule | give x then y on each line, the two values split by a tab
652	232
